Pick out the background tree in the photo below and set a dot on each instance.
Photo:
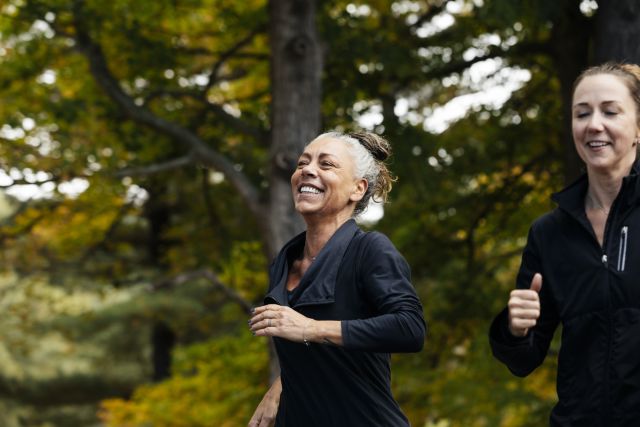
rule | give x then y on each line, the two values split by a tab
162	135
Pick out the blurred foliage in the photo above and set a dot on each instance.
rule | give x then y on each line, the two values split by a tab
85	259
205	389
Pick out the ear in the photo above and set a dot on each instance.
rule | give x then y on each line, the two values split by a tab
359	189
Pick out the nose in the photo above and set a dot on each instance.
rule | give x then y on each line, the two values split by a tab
595	122
308	170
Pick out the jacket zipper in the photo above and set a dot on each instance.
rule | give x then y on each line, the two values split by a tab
622	251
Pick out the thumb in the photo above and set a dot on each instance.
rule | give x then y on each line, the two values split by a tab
536	282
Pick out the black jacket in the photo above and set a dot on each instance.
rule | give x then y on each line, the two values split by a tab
362	280
594	292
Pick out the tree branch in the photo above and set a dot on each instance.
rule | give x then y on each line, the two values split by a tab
31	223
189	159
430	14
104	78
225	56
27	182
205	273
218	110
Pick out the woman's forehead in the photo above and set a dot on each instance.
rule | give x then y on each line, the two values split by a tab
603	88
327	146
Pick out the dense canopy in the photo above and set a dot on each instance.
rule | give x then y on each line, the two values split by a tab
145	152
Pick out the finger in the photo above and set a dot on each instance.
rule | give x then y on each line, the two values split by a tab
525	314
263	308
516	303
262	315
271	311
254	421
262	325
267	328
265	422
536	282
524	294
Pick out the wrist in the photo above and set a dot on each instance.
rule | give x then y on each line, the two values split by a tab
517	332
309	332
276	387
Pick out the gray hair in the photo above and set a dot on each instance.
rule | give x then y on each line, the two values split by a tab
369	165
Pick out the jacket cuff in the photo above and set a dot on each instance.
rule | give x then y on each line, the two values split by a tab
500	334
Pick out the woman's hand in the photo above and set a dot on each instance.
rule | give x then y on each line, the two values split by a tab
265	413
280	321
524	307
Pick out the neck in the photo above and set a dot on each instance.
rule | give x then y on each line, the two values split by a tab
604	186
319	231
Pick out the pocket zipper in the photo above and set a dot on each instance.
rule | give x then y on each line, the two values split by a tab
622	251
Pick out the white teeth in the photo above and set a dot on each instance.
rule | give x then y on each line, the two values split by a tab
309	189
596	144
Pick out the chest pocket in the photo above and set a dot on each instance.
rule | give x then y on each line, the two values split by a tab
624	278
622	248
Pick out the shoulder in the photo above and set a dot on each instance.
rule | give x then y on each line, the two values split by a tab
373	241
548	222
374	249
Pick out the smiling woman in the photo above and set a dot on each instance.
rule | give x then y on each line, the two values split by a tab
366	153
575	268
340	300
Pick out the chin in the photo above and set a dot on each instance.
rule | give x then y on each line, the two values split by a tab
305	209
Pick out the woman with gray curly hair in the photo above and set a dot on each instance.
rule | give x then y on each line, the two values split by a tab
340	299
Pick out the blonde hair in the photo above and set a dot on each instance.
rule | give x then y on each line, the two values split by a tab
629	74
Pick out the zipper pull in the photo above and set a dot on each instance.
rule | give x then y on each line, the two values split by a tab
604	259
622	251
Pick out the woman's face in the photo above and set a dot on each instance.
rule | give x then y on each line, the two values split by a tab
324	182
604	123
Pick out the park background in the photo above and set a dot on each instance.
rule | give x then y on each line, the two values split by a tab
145	154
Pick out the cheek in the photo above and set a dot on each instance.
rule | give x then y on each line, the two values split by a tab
294	176
576	133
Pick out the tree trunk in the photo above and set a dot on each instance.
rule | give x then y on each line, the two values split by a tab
569	43
163	340
296	69
617	31
158	213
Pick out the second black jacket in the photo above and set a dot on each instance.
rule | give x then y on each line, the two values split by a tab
594	292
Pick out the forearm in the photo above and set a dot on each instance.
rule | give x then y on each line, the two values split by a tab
276	387
402	332
267	409
324	332
521	355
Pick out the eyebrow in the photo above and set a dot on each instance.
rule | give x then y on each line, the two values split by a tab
586	104
306	154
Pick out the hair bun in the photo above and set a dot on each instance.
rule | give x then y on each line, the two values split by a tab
379	147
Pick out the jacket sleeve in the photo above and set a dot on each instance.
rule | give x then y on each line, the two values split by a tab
523	355
398	324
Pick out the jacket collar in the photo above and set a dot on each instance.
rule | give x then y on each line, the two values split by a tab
317	285
571	199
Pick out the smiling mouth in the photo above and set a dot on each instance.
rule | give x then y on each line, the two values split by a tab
597	144
308	189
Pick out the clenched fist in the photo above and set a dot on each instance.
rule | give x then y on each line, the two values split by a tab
524	307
